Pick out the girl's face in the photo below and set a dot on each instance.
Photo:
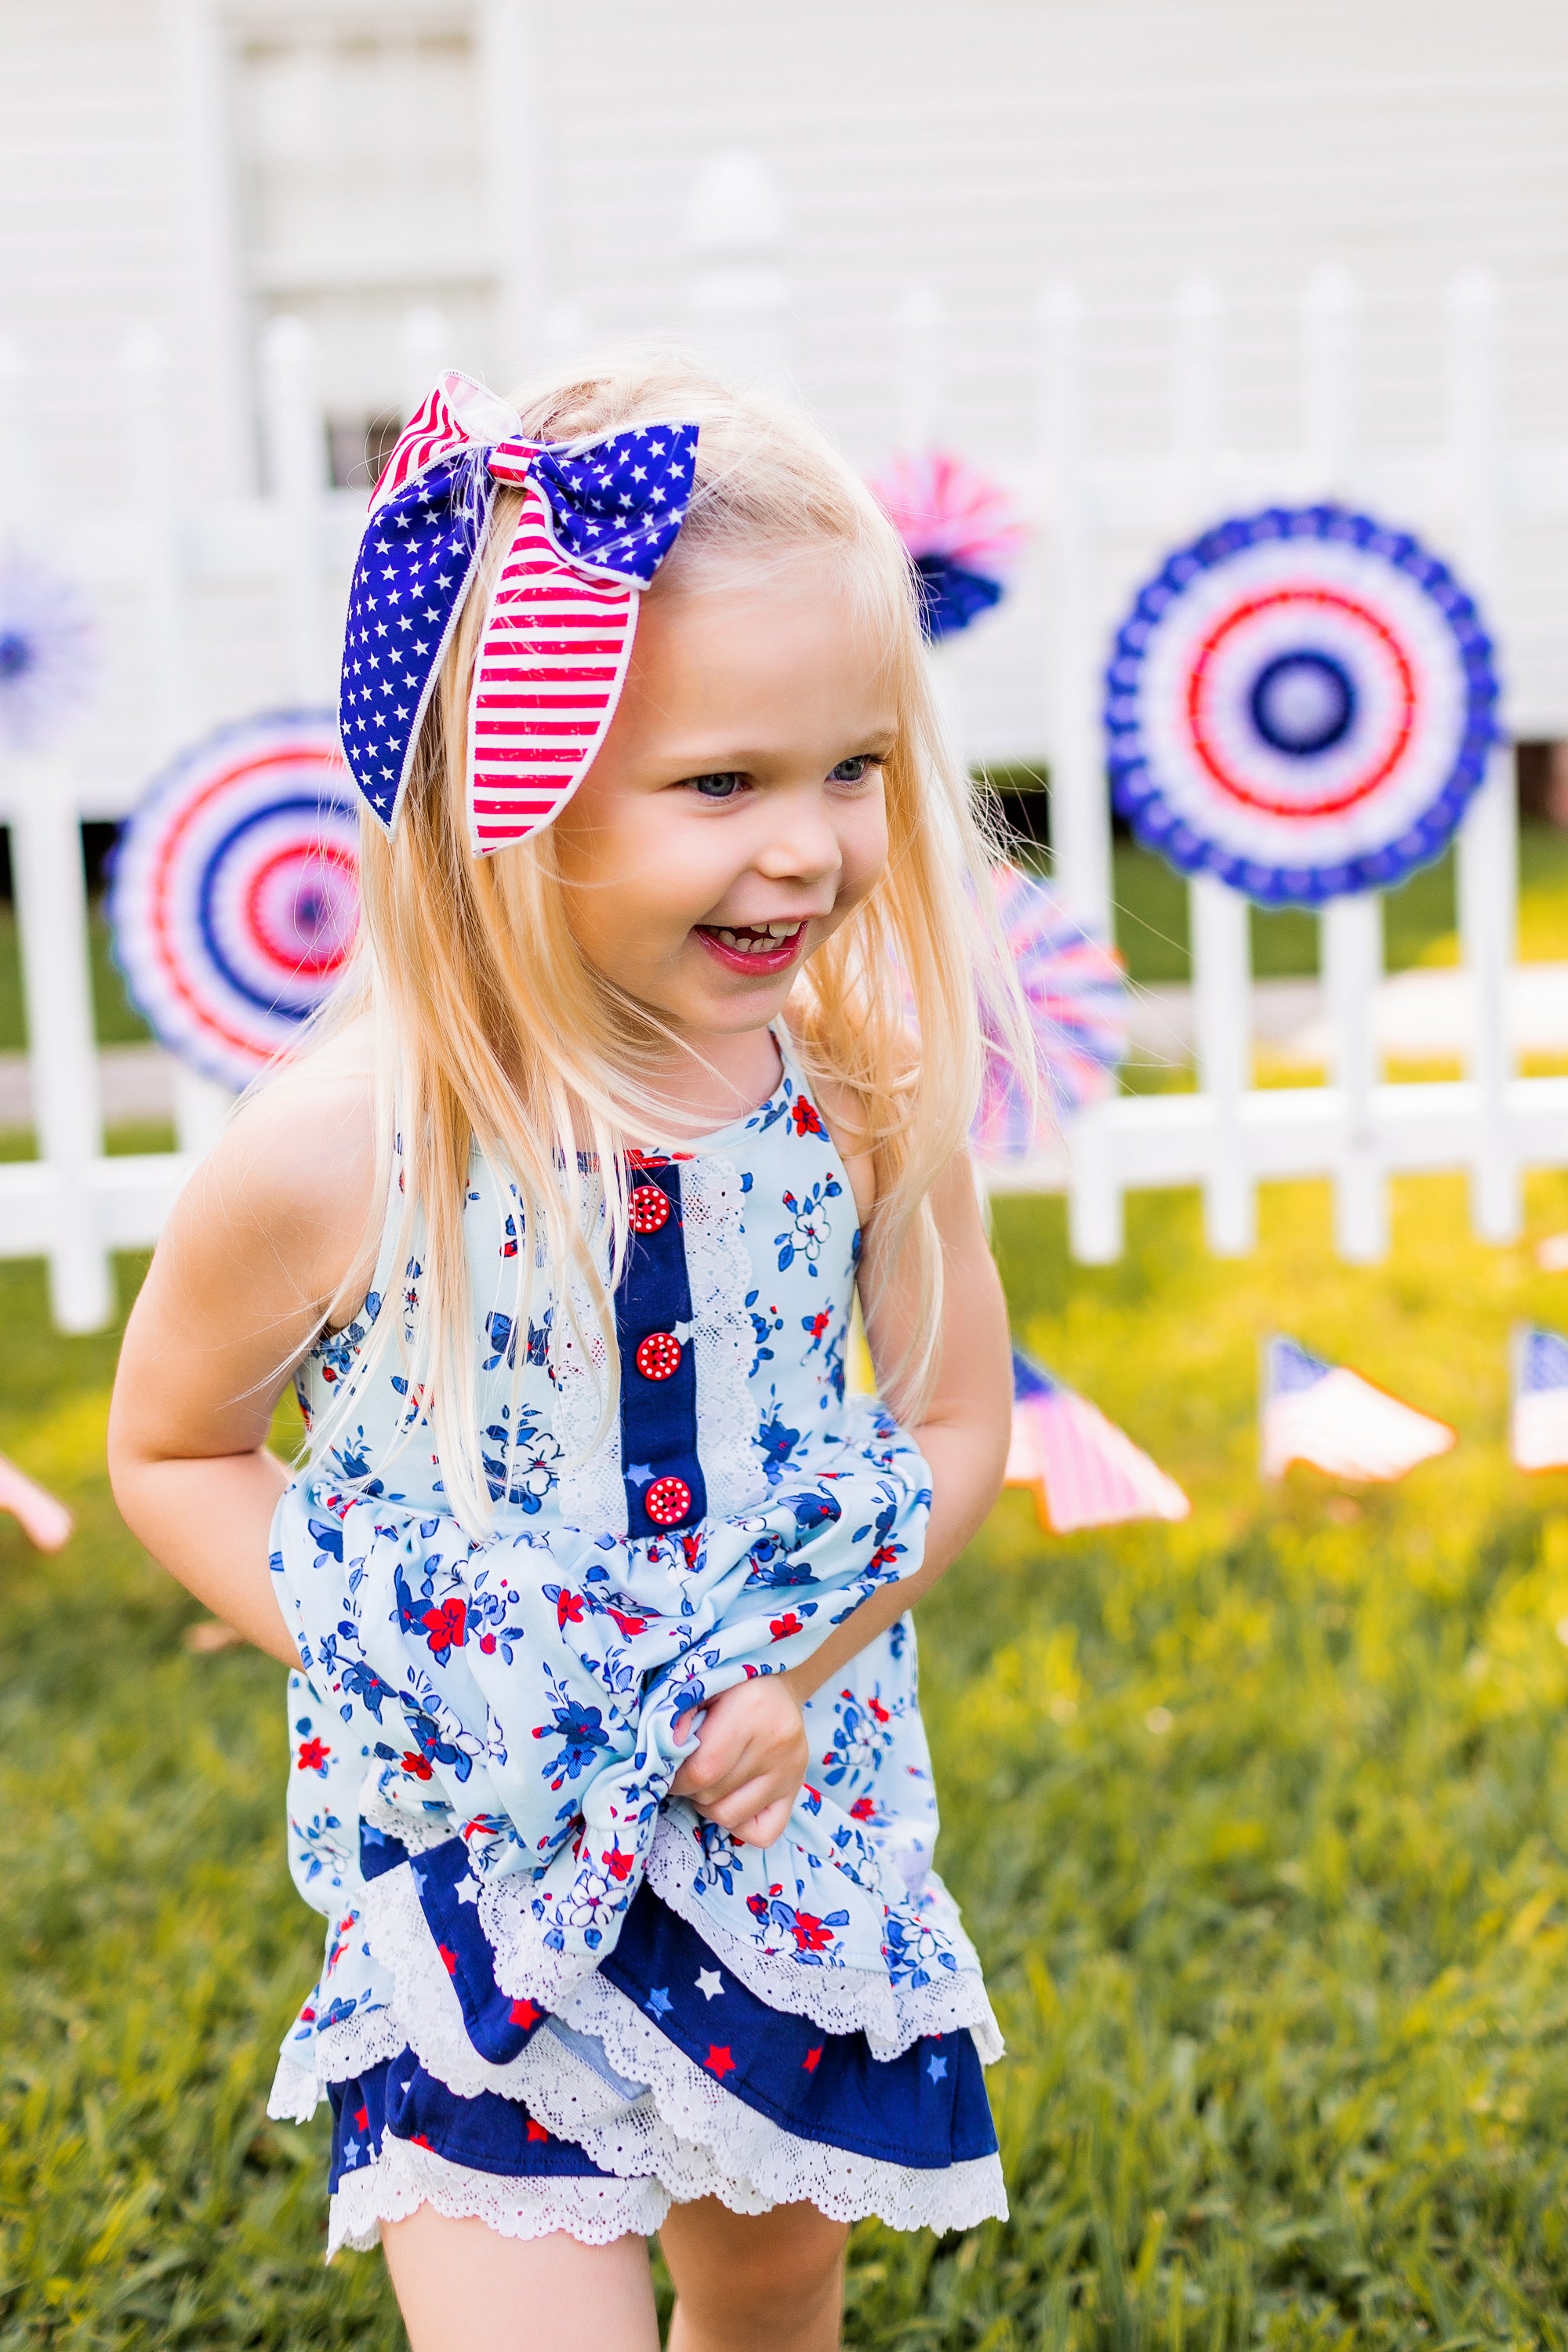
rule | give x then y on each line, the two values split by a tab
734	815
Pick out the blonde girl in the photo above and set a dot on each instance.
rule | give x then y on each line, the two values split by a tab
608	1765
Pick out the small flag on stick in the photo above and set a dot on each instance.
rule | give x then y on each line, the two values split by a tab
1323	1414
1539	1423
1084	1472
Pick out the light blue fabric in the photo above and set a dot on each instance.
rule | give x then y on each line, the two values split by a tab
521	1690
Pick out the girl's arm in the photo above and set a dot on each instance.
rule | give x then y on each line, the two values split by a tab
269	1231
753	1745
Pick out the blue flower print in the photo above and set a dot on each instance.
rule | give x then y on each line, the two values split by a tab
502	1334
763	1326
579	1727
522	1470
813	1935
810	1226
778	1442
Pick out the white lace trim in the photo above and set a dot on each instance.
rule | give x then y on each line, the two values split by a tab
421	1832
591	1491
424	1995
841	2000
701	2141
684	2130
719	1269
404	2178
332	2055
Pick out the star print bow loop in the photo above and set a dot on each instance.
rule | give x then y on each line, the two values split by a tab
597	521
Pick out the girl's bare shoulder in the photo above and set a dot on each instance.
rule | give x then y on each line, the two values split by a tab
295	1172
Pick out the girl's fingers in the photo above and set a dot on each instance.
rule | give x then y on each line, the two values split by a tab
758	1795
767	1827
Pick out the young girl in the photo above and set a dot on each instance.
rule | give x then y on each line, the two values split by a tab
608	1771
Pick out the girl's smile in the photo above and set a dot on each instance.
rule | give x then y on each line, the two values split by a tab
735	816
754	948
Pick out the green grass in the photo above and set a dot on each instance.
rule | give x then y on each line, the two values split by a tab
1418	918
116	1021
1261	1823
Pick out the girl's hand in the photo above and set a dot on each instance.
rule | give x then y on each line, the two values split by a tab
750	1759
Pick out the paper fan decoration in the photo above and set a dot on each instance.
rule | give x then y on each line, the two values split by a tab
1083	1471
1302	702
965	532
235	898
48	645
1076	991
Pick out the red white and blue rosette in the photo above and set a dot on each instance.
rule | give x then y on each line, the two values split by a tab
1302	702
235	895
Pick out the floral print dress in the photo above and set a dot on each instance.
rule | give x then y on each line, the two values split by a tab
553	1995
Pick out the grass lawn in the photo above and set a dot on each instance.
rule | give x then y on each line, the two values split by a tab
1418	918
1261	1823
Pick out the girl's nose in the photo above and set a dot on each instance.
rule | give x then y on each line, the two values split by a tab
802	843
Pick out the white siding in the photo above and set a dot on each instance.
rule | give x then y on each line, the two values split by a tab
982	144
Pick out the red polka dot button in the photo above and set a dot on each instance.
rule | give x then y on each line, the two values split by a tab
647	1209
658	1355
667	1502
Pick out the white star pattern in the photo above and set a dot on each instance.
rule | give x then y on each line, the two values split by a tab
710	1984
467	1890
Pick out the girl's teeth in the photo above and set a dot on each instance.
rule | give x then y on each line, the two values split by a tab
759	939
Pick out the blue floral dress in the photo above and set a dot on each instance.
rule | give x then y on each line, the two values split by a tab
553	1995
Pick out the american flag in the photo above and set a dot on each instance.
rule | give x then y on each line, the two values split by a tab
1539	1421
596	522
1085	1472
1323	1414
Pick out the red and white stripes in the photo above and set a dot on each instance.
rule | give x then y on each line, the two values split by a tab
549	675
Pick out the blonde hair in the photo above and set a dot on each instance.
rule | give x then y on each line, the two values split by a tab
494	1030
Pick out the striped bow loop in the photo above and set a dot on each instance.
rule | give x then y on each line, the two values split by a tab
597	521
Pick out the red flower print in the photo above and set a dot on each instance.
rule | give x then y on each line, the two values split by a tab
809	2060
447	1628
536	2131
804	1114
448	1959
618	1865
488	1644
568	1609
818	1324
628	1624
885	1555
314	1755
781	1628
810	1935
862	1809
879	1711
718	2061
416	1766
524	2013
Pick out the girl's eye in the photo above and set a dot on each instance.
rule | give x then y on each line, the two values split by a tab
723	787
855	771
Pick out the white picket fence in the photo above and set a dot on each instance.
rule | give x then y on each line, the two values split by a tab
293	546
1464	493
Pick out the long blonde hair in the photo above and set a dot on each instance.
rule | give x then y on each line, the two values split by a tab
494	1031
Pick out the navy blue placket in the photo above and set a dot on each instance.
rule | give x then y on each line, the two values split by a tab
659	1403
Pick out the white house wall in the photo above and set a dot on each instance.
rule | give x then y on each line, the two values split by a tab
982	145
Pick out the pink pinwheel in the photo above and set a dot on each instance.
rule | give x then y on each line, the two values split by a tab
1076	991
965	532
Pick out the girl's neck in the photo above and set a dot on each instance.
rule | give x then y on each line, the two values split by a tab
722	1078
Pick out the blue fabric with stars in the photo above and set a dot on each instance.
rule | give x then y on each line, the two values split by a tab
927	2108
616	509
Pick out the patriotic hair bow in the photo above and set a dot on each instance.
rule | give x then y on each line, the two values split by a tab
597	521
